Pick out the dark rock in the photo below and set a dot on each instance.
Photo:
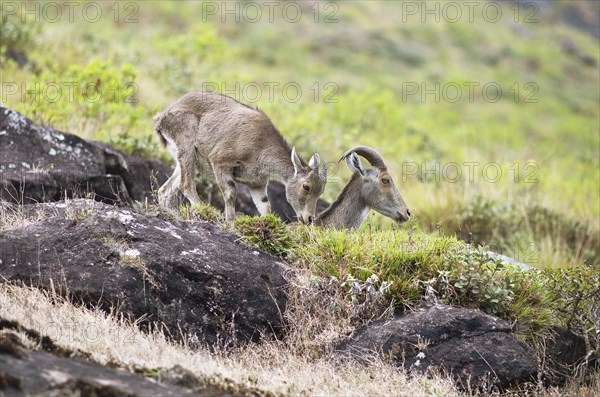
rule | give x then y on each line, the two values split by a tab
42	373
564	351
475	348
39	164
192	277
140	176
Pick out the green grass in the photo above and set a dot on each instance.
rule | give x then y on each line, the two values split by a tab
411	267
200	212
269	233
548	151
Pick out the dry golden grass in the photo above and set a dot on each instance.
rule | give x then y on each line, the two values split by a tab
260	369
297	366
12	217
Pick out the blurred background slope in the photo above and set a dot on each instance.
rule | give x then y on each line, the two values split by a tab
489	120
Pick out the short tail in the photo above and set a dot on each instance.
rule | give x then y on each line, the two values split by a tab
157	120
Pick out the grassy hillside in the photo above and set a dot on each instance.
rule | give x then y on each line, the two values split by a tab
519	170
340	281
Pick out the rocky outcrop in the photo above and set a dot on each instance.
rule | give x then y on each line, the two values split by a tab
24	372
39	164
194	278
475	348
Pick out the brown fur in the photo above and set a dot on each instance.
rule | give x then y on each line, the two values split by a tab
364	191
163	141
239	144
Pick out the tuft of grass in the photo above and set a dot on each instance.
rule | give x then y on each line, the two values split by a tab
269	233
201	212
78	211
15	217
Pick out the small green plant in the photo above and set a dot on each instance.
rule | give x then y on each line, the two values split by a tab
483	287
153	372
576	295
270	233
481	282
200	212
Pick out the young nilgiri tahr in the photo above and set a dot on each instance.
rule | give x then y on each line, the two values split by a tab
369	189
234	143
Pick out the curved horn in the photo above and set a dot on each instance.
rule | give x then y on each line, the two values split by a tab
371	155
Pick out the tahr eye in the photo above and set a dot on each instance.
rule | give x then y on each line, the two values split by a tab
306	187
385	181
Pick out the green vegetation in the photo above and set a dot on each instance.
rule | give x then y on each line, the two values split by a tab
411	268
520	173
200	212
269	233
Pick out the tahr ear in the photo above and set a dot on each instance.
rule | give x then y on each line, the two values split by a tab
354	164
296	161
